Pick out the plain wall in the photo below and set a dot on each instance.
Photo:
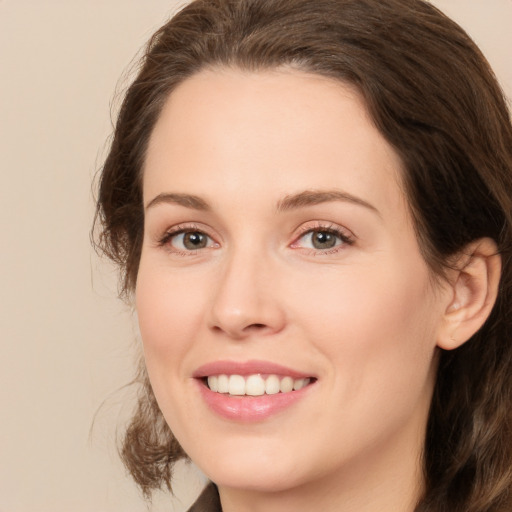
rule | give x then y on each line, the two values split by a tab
67	343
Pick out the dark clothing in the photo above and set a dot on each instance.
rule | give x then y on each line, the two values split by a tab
208	501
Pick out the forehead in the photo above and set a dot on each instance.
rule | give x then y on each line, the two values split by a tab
270	133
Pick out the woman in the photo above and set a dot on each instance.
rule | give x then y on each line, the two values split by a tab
311	206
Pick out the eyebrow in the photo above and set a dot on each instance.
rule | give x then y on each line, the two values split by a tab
290	202
314	197
186	200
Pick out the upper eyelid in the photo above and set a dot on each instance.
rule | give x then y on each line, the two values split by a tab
307	227
324	227
188	227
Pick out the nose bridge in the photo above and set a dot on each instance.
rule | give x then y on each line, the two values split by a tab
244	299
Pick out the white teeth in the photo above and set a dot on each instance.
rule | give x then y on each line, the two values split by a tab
298	384
223	384
286	385
213	383
254	385
272	385
236	385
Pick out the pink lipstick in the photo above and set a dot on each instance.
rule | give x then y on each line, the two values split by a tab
252	390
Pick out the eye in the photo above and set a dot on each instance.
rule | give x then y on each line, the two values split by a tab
323	239
187	240
191	240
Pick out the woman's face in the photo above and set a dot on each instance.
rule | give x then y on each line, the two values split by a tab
279	251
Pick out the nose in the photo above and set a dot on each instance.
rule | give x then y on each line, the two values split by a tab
245	300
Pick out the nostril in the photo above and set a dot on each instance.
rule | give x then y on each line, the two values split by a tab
243	331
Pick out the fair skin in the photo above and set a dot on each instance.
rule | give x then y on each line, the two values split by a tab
277	232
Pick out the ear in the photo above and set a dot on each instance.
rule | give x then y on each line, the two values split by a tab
473	288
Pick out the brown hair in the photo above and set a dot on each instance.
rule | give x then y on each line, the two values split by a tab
433	96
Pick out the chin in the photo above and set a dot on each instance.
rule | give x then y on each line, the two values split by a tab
262	479
247	466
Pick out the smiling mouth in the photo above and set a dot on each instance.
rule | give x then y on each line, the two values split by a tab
255	385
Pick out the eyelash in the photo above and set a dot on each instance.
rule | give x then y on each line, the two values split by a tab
331	229
165	240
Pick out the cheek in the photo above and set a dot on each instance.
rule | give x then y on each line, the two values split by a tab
169	313
377	331
375	325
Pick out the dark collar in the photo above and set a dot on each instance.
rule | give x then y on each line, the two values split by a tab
208	501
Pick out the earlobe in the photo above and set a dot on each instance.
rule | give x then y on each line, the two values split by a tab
474	287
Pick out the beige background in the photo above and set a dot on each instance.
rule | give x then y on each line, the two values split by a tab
66	342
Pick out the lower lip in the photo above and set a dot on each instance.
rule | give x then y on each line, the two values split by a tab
249	409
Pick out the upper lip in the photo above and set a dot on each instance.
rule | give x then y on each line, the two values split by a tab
246	368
